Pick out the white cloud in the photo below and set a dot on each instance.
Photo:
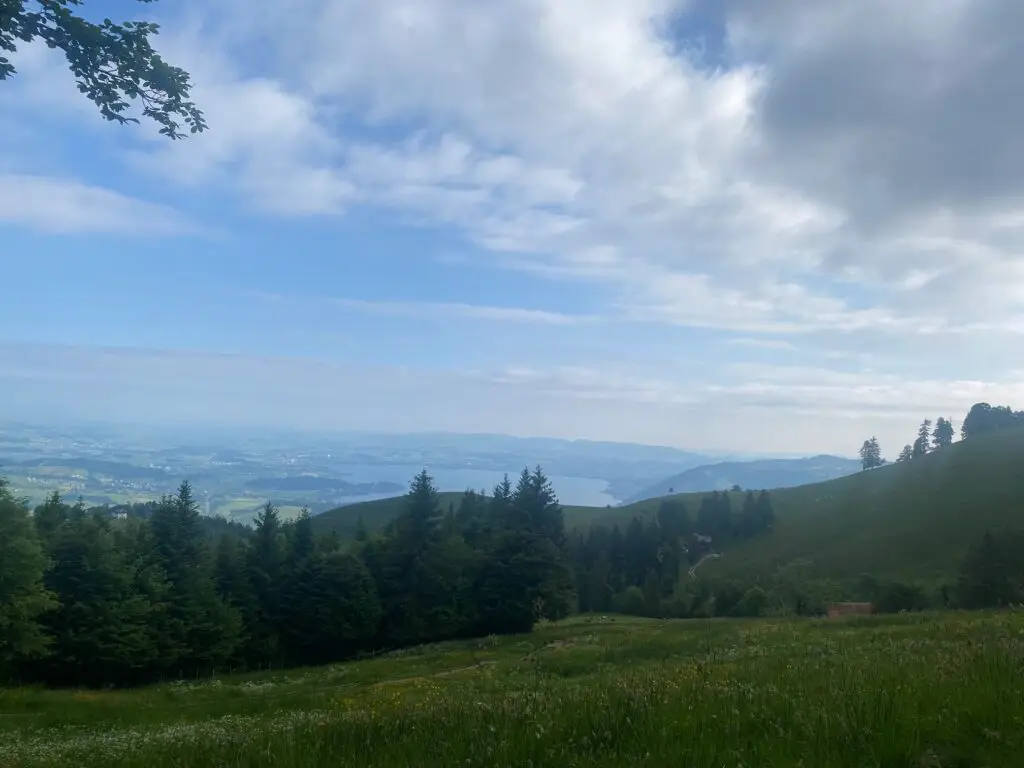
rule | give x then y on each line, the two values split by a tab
63	205
770	408
780	345
851	181
461	311
751	198
433	309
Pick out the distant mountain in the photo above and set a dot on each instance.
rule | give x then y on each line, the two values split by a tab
762	473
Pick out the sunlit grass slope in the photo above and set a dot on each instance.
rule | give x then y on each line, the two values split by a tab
922	690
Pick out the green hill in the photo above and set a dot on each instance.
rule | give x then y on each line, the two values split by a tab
901	521
913	520
375	514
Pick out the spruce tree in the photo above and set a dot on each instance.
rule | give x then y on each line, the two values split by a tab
49	516
201	631
266	567
101	623
923	441
942	435
765	511
23	598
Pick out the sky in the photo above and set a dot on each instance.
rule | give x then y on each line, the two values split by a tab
750	225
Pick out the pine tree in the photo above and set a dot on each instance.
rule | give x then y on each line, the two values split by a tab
673	520
540	514
407	579
992	574
201	631
906	454
300	538
943	433
871	454
500	507
266	568
23	598
334	612
765	511
749	521
422	510
49	516
923	441
101	624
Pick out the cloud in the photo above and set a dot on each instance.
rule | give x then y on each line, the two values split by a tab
802	185
741	407
461	311
840	181
780	345
433	309
64	206
806	185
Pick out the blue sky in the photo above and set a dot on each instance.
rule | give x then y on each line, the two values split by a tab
759	226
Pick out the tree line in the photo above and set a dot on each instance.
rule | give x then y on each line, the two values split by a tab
89	599
990	576
981	419
645	570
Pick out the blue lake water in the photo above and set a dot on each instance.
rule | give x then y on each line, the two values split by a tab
581	491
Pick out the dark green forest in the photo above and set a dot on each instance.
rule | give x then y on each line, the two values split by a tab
125	596
91	598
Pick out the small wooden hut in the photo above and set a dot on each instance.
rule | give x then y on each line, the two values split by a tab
835	610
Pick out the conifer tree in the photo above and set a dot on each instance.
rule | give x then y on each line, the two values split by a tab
923	441
201	631
101	623
23	598
765	511
943	433
266	569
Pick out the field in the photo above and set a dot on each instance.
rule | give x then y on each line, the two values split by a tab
917	691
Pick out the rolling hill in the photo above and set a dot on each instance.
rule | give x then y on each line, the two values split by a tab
762	473
374	514
913	520
902	521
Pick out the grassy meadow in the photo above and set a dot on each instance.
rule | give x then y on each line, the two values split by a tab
925	690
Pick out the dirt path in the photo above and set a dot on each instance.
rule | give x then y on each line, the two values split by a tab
699	563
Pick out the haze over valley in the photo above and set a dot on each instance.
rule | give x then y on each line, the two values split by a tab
234	474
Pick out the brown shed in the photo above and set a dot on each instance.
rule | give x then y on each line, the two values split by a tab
835	610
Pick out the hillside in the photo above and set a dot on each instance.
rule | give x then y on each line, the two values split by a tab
762	473
913	520
374	514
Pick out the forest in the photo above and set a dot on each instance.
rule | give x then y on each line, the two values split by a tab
108	597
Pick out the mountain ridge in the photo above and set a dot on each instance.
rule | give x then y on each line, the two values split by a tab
758	474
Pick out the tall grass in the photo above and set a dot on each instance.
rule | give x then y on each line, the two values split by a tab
946	690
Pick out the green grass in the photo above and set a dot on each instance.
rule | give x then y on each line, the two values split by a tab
912	521
925	690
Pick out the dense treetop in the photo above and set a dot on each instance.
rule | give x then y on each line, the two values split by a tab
113	64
